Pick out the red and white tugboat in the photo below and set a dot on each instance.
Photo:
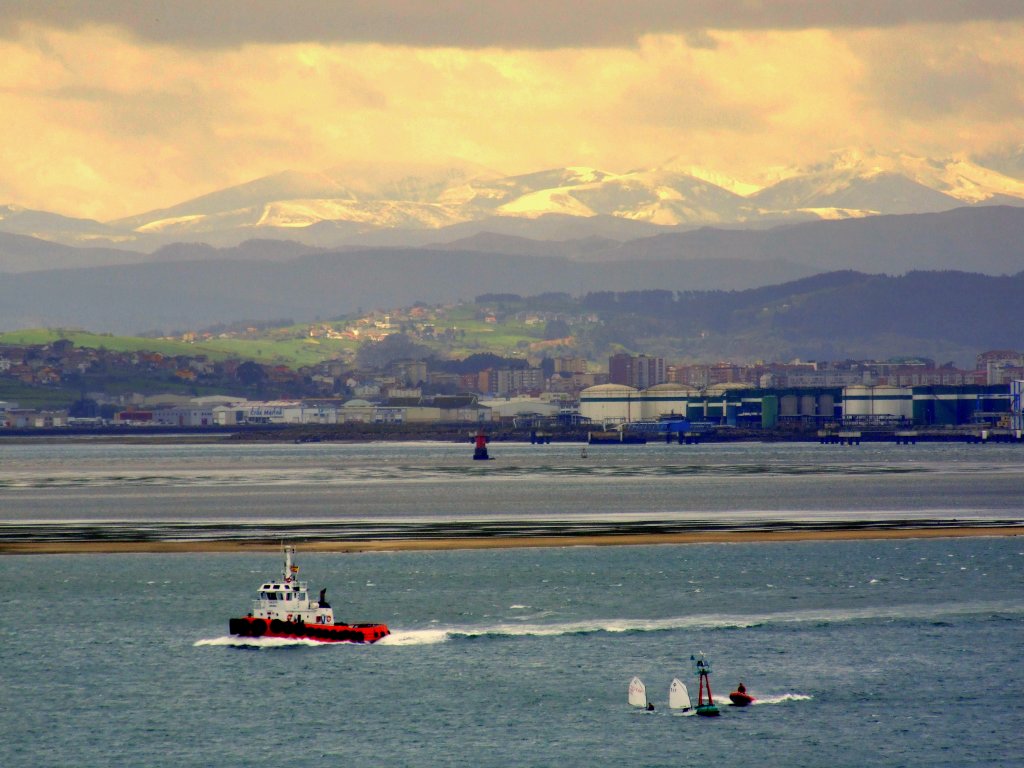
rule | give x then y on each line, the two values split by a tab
282	608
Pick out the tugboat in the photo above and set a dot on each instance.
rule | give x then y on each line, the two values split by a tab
282	608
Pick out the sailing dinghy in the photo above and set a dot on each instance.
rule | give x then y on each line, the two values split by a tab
638	694
678	696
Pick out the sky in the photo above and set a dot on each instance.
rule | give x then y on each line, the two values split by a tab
116	107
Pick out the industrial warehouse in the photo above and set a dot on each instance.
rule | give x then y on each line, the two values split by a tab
736	405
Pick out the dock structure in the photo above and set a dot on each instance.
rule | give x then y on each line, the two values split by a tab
675	428
914	436
906	437
847	437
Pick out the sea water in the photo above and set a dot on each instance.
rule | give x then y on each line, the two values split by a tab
903	652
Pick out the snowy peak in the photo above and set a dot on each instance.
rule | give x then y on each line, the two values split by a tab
889	183
362	203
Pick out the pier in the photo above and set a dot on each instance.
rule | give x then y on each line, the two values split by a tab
914	436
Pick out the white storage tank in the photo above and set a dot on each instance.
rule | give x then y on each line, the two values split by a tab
665	399
857	400
893	401
610	403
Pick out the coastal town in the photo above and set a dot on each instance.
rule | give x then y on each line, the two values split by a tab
534	390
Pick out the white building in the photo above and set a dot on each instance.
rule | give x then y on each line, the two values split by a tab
510	407
183	417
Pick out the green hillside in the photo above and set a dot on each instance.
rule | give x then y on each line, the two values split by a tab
280	346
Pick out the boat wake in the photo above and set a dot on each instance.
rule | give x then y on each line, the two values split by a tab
258	643
437	634
416	637
780	699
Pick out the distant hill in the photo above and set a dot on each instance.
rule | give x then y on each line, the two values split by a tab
987	239
188	294
23	253
948	316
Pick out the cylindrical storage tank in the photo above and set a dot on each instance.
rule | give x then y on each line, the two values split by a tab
857	400
610	403
788	405
826	406
663	399
892	401
808	405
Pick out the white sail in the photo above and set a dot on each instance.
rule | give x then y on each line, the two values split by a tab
678	696
637	693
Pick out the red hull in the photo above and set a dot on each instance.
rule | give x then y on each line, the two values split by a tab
740	699
325	633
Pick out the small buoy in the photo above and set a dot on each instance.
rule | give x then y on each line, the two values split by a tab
480	451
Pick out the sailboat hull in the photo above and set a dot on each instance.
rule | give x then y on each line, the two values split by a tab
325	633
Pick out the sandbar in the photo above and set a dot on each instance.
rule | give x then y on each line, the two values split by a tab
502	542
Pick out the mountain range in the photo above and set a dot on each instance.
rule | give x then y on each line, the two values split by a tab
363	205
305	246
187	286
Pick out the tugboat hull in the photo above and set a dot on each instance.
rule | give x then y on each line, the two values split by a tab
325	633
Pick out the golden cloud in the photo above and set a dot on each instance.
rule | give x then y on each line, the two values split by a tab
102	125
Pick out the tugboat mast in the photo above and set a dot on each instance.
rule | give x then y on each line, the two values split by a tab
289	568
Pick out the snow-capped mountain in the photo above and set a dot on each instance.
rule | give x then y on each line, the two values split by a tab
359	204
865	184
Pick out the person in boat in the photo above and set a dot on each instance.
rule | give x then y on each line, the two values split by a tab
650	707
741	688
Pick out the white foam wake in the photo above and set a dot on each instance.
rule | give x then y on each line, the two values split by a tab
782	698
416	637
236	641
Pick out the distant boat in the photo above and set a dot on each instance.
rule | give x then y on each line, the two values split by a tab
740	697
638	694
678	696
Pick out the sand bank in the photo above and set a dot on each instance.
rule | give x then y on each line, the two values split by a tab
503	542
